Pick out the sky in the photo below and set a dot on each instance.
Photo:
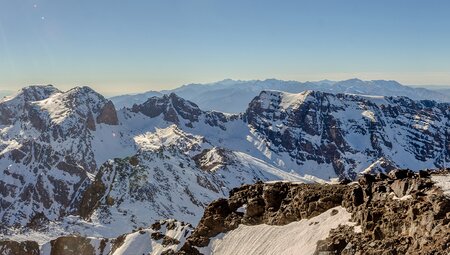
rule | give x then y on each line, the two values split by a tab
118	46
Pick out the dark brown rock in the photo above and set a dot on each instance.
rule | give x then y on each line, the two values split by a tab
19	248
71	245
108	114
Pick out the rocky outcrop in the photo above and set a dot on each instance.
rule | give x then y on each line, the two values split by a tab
91	198
72	245
108	114
399	213
274	204
403	213
177	110
19	248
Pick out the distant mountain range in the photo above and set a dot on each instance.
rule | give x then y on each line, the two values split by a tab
233	96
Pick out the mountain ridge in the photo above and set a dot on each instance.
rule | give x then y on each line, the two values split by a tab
91	168
217	95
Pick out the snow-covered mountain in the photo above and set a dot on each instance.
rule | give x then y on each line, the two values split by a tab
233	96
71	162
46	150
347	133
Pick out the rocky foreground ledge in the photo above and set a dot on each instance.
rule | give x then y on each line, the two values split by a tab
399	213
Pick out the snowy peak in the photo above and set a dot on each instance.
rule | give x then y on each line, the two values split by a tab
174	109
78	104
171	107
47	151
11	107
32	93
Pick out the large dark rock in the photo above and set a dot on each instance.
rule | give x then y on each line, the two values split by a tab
71	245
108	114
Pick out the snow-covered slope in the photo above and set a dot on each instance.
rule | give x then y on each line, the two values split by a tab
233	96
298	237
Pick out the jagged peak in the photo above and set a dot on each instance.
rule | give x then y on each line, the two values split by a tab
170	106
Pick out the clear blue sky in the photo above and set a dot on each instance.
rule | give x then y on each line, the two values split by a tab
120	46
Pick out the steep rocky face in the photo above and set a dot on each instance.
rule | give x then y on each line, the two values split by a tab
351	132
46	152
108	114
400	213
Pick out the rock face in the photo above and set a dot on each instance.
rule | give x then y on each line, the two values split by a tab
418	222
108	114
339	130
401	214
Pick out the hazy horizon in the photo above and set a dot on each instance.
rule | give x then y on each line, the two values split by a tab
131	47
7	92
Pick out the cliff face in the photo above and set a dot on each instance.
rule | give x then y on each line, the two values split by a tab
346	132
399	213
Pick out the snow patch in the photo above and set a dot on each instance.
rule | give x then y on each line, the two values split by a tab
443	182
295	238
